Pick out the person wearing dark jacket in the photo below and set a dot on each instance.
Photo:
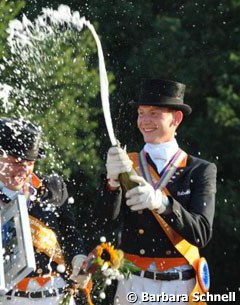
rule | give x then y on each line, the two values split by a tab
58	246
168	216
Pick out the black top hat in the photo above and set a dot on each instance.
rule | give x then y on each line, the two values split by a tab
21	139
162	93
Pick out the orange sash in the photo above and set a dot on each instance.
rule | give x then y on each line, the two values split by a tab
162	264
45	240
188	251
23	285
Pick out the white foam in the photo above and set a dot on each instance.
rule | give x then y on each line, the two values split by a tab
23	36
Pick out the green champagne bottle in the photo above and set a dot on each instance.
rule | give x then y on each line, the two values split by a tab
125	182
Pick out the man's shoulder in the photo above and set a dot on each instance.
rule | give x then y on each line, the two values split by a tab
54	189
196	162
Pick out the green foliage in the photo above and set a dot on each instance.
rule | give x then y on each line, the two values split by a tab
224	109
8	11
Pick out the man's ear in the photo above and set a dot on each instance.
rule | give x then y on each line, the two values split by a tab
177	118
3	153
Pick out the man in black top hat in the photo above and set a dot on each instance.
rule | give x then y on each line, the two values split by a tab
169	214
58	246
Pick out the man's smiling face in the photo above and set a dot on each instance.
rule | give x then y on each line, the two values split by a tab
15	171
158	124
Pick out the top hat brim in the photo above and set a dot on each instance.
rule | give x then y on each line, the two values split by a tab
186	109
40	155
28	156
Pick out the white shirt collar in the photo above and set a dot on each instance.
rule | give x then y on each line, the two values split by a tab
161	153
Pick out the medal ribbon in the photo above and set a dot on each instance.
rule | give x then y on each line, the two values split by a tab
168	172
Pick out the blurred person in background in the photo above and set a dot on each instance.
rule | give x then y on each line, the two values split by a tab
58	247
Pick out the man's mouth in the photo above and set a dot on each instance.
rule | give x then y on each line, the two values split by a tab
149	129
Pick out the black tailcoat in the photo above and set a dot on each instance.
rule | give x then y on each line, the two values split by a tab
192	201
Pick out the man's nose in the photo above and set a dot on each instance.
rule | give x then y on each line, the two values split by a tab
145	118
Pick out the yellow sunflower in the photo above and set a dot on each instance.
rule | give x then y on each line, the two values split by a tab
118	261
105	253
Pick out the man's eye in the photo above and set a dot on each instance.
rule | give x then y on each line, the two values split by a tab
13	163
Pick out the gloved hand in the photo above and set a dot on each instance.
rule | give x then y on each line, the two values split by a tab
77	265
117	162
144	196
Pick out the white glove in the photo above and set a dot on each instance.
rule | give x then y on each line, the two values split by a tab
117	162
144	196
77	264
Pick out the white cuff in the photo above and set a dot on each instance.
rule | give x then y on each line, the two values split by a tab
78	260
164	205
113	183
